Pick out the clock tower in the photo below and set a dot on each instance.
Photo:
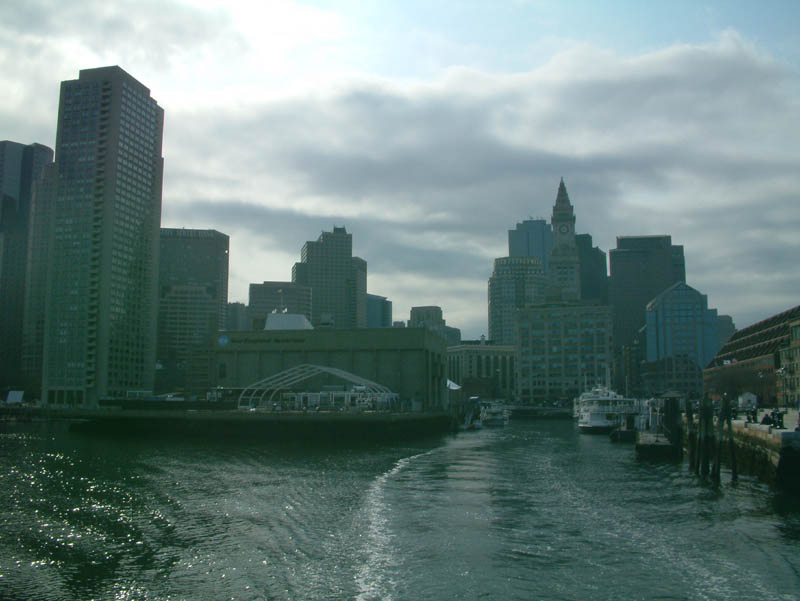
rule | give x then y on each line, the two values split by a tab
564	262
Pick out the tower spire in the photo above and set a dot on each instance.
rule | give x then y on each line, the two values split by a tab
562	197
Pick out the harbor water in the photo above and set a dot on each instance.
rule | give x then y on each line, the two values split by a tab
534	510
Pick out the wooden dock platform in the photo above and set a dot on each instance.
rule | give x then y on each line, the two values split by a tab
656	446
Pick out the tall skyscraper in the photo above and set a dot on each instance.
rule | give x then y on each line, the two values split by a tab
338	280
593	270
641	268
192	298
100	325
515	283
531	238
20	166
40	237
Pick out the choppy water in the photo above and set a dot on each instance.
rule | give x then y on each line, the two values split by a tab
532	511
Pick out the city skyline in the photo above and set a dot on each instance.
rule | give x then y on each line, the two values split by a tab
430	157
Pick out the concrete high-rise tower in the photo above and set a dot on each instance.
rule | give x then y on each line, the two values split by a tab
516	282
593	270
531	238
192	298
100	323
20	166
39	241
642	267
338	280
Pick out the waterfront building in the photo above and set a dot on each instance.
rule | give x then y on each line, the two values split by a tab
192	298
642	267
681	339
379	311
482	368
277	297
236	317
337	279
564	348
409	361
532	238
789	371
20	166
750	361
100	325
430	317
515	283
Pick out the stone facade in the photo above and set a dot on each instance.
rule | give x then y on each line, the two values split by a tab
483	368
564	348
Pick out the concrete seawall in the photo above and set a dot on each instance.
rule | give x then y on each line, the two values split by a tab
770	454
267	425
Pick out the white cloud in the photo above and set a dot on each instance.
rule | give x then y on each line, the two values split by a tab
274	132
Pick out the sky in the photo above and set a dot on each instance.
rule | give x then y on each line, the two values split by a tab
429	129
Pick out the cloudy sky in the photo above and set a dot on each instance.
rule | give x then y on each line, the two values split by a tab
428	129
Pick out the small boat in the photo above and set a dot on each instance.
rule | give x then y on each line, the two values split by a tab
472	415
493	415
601	410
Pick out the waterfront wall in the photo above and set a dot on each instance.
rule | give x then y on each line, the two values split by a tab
338	426
770	454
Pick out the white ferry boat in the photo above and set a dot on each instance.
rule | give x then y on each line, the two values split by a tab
601	410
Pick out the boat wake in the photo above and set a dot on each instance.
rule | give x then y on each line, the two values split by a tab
374	577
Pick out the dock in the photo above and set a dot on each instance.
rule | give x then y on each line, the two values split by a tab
539	412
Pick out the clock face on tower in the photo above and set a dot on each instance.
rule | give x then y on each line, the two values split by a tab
563	229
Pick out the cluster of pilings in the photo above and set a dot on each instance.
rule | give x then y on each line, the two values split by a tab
705	440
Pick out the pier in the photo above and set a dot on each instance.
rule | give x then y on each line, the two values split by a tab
539	412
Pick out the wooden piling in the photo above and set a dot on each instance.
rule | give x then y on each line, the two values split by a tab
715	471
691	437
706	435
731	443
